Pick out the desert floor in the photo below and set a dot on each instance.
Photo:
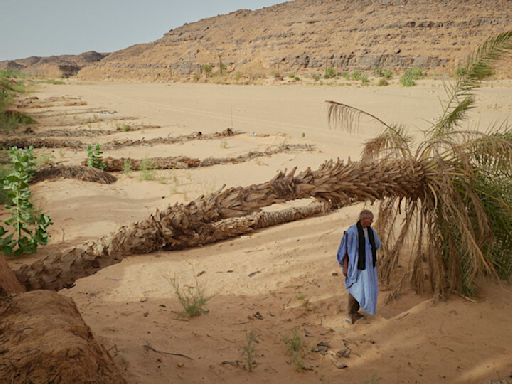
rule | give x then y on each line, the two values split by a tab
272	282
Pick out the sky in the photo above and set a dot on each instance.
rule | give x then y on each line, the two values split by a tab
55	27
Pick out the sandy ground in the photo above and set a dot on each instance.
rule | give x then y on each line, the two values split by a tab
272	282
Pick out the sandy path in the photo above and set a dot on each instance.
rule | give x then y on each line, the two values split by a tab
288	273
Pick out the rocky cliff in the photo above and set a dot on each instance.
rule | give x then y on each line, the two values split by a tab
309	35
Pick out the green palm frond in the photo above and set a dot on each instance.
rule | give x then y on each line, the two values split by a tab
478	67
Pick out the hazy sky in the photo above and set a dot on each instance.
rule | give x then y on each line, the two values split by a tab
54	27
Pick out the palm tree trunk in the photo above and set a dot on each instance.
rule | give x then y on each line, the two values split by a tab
193	224
184	162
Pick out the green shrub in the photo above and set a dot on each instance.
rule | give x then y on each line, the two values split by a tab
410	76
295	345
94	157
24	230
207	69
192	298
316	76
146	170
11	84
356	75
330	73
4	171
127	166
382	83
249	351
385	73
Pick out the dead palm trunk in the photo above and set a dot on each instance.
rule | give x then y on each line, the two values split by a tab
192	224
185	162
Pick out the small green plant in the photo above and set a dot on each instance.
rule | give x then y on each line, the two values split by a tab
460	71
192	298
44	159
127	166
364	79
382	83
4	171
410	76
224	144
295	345
207	69
146	170
316	76
384	73
94	157
356	75
26	230
345	75
330	73
249	351
123	127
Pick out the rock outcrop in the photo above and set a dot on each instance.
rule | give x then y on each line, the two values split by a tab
54	66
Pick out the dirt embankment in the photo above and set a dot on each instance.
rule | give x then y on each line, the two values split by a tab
43	339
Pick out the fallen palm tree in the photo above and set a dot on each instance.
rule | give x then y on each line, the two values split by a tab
184	162
45	340
84	132
53	101
76	172
187	225
115	144
461	227
25	142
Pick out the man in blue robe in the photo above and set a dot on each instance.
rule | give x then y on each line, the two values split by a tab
357	257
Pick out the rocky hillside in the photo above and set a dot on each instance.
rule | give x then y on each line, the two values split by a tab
309	35
303	36
53	66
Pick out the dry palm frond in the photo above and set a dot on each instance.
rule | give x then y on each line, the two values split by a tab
346	116
391	143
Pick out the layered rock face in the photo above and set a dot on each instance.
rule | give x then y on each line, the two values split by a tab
310	35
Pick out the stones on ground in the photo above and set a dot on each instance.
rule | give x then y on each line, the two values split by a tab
322	347
345	352
257	316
